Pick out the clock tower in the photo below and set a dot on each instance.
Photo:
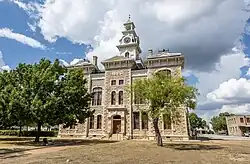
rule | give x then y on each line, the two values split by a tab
129	44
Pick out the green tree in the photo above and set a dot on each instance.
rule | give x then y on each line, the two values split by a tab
5	91
57	95
44	93
164	96
219	122
19	109
195	121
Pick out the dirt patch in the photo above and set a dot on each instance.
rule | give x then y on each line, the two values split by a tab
140	152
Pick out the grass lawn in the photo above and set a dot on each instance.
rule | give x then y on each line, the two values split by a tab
127	152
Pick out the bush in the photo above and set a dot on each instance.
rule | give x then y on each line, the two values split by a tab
28	133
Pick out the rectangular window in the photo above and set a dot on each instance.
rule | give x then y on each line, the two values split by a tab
248	120
113	82
241	120
136	120
167	121
138	99
99	122
144	119
121	82
91	122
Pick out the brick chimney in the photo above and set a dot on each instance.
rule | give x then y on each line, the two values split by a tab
150	52
95	60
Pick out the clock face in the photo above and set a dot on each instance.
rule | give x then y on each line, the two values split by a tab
127	40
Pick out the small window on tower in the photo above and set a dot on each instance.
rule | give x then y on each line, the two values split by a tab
121	82
113	82
127	54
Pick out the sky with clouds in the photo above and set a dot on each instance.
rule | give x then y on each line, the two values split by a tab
213	35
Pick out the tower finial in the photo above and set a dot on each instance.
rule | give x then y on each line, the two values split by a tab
129	18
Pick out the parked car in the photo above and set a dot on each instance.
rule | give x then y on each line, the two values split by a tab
247	134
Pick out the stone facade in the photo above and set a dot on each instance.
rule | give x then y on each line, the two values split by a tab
237	125
117	115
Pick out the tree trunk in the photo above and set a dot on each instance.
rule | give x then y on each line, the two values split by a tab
38	131
20	131
157	132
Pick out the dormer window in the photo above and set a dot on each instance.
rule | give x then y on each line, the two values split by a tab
127	54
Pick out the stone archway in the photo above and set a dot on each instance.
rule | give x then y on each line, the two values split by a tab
116	124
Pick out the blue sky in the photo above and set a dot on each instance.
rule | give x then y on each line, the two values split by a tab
14	52
206	36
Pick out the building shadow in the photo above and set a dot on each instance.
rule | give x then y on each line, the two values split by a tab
180	146
12	152
205	139
17	138
63	142
18	152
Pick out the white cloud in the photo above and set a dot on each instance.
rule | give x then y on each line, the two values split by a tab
231	90
8	33
3	66
204	31
32	27
227	68
248	72
223	86
190	26
63	53
236	109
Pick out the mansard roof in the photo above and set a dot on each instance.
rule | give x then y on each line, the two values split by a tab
80	62
116	58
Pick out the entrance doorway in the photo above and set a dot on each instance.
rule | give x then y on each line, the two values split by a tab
116	124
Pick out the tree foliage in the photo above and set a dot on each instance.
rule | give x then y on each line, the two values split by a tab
219	122
164	94
196	122
43	93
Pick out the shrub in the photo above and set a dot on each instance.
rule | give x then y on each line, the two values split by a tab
28	133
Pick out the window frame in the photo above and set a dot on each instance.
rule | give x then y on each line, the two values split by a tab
113	98
120	97
136	120
99	122
167	124
97	96
144	122
92	122
113	82
121	80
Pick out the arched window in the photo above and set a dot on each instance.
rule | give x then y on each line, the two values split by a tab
99	121
113	99
166	72
120	97
144	120
97	96
136	119
166	121
127	54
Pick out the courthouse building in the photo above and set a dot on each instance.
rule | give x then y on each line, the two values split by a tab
117	112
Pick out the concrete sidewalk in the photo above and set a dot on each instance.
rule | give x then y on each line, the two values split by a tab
223	137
